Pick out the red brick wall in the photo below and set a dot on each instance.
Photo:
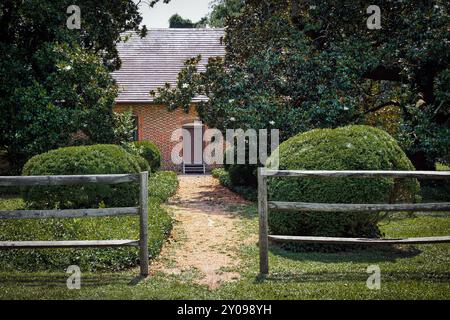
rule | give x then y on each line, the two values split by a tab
156	123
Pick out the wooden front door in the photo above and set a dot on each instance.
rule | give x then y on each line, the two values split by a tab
193	143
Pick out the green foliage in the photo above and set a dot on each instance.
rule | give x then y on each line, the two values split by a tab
347	148
150	152
247	192
181	95
223	11
142	163
124	127
162	185
300	65
176	21
55	82
97	159
242	174
222	175
217	172
112	259
436	190
76	97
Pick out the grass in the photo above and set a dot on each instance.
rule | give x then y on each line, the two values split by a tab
162	185
409	272
93	259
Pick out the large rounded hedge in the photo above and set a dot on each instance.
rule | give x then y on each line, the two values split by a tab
240	174
97	159
142	163
347	148
150	152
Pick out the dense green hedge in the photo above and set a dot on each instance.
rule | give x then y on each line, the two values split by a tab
142	163
223	176
240	174
97	159
247	192
163	185
160	224
150	152
347	148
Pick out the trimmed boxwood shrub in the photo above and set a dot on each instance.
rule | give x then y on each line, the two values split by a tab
142	163
347	148
97	159
240	174
163	185
150	152
247	192
111	259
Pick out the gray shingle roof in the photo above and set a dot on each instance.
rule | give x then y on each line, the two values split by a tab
150	62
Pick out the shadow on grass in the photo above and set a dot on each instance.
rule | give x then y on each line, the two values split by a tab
60	280
351	276
356	255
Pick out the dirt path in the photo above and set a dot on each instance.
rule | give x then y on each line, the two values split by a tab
205	233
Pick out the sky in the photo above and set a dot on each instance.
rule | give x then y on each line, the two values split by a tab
158	16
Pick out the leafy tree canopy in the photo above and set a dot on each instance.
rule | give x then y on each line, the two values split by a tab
298	65
176	21
55	82
223	10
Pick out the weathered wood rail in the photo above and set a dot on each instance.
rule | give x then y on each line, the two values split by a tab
264	205
142	211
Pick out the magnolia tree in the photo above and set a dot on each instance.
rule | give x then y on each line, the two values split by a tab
55	84
299	65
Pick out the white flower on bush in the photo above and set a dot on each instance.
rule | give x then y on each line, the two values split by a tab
185	85
231	101
346	109
272	122
349	145
67	68
233	119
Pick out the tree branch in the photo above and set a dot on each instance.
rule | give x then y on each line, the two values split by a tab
381	106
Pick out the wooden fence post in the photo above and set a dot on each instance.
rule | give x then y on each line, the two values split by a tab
143	214
263	228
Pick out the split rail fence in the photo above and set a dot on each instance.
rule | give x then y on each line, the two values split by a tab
141	210
264	205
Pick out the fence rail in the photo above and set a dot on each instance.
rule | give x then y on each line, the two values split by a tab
264	205
67	180
142	211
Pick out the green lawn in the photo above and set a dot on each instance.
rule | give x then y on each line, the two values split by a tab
413	272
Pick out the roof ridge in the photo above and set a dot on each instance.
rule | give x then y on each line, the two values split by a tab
176	30
190	29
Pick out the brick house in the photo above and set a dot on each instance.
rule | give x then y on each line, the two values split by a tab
149	63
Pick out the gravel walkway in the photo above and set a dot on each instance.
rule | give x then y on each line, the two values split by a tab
205	235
